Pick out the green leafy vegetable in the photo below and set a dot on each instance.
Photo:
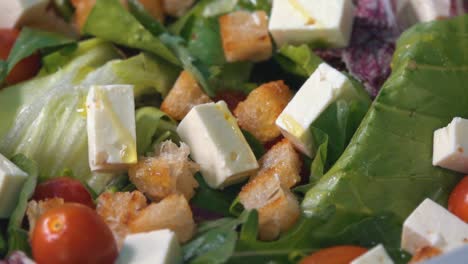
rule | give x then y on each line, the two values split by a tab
64	8
45	118
299	60
215	245
18	238
151	124
386	170
145	18
30	41
110	21
215	201
198	69
256	146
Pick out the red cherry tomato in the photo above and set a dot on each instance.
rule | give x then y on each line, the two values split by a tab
25	69
458	201
335	255
70	190
73	234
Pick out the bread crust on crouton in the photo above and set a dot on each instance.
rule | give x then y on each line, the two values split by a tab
173	213
283	161
118	209
169	172
37	208
245	36
257	114
185	94
278	209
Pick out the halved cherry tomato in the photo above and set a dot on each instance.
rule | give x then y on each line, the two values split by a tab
335	255
458	201
70	190
73	234
25	69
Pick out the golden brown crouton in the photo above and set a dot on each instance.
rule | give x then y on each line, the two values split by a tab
37	208
245	36
258	113
278	209
177	8
169	172
283	161
185	94
117	209
173	213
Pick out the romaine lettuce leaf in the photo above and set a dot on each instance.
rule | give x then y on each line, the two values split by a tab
386	171
45	118
110	21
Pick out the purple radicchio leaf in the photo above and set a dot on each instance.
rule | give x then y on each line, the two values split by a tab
458	7
372	44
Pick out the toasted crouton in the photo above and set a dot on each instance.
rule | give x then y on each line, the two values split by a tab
185	94
173	213
283	161
177	8
245	36
258	113
37	208
169	172
117	209
278	209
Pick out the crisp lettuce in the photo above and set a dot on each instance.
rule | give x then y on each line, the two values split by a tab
386	171
45	118
110	21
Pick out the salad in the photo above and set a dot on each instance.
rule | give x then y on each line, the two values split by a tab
233	131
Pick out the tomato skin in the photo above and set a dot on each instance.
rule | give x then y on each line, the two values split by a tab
73	234
70	190
458	201
26	68
335	255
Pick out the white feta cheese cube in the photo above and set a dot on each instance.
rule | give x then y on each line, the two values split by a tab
217	144
12	179
410	12
304	21
377	255
450	149
432	225
111	127
325	86
156	247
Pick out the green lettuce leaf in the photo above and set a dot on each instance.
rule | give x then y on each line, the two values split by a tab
30	41
298	60
217	243
145	18
110	21
18	238
386	170
45	118
153	126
